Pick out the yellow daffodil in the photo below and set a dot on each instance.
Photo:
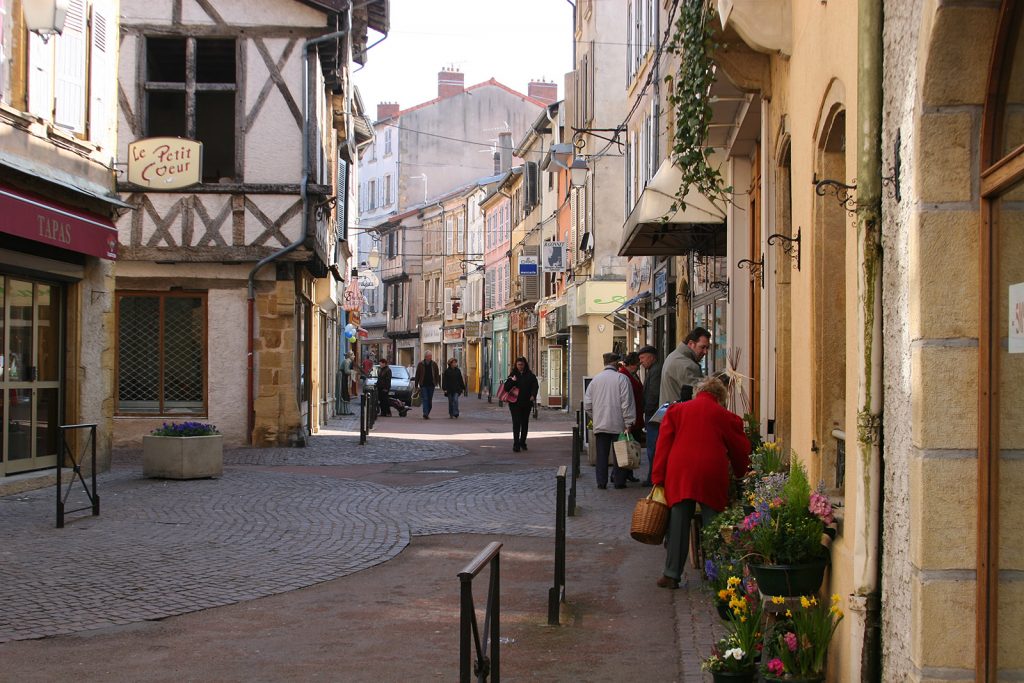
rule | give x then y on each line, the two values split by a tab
835	598
733	581
789	613
743	619
723	594
814	601
804	602
778	599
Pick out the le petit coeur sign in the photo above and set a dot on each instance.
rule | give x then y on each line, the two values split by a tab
165	163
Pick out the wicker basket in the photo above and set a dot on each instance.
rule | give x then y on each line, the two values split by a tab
650	518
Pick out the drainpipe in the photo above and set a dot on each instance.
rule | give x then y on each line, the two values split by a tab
303	191
865	603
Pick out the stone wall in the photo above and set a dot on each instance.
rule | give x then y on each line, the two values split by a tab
277	410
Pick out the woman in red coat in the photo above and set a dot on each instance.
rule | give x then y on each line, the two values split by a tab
697	443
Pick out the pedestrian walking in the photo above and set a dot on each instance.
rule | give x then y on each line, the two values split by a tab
610	403
428	376
652	387
525	381
453	384
697	443
342	385
384	388
681	370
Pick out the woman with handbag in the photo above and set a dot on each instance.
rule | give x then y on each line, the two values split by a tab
520	392
698	442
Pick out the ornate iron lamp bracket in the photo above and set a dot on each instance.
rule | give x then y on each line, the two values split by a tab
790	245
756	269
844	194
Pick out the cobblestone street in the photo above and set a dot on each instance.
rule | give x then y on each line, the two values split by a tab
280	520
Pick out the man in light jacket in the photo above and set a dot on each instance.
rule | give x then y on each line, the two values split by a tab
611	406
682	367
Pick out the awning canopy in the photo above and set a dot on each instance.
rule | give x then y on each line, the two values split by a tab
42	220
654	229
633	300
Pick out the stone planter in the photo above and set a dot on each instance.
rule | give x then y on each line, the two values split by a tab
183	457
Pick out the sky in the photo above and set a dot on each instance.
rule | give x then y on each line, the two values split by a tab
513	42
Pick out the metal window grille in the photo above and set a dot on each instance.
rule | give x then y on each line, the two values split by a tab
161	354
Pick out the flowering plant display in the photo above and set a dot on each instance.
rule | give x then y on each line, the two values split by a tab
767	458
798	644
744	623
185	429
785	529
727	656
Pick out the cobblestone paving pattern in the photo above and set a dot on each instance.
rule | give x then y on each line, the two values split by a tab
162	548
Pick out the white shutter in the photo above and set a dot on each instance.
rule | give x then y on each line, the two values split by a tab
40	77
102	74
574	236
69	62
448	315
531	283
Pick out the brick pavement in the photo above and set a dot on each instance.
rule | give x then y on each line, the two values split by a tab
164	548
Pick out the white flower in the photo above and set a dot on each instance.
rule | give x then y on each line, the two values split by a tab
736	653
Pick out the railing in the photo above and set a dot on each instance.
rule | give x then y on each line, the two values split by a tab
76	465
556	594
367	412
486	647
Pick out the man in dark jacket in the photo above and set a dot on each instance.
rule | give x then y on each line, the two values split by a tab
453	384
384	388
428	376
652	388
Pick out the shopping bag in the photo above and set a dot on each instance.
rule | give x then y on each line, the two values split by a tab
506	396
627	452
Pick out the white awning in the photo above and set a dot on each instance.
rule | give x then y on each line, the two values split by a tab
654	229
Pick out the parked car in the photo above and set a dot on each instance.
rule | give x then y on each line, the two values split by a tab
401	382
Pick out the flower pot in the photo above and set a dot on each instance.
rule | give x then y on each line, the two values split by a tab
789	579
182	457
746	676
799	679
723	610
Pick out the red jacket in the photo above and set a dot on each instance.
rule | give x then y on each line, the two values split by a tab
697	442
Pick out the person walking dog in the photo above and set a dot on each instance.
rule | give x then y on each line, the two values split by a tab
525	381
427	378
453	385
610	403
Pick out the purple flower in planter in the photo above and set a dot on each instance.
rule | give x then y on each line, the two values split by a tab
710	570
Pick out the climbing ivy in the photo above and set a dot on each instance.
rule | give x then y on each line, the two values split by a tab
689	91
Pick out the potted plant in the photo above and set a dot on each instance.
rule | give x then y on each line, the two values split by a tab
735	657
724	558
186	450
783	535
797	647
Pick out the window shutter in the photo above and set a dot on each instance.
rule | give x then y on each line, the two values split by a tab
40	77
530	283
342	202
102	75
574	235
69	82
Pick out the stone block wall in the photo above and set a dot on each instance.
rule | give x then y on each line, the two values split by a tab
277	416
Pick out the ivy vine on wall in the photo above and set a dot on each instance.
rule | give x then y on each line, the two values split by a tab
689	93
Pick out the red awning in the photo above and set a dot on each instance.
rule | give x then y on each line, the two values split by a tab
41	220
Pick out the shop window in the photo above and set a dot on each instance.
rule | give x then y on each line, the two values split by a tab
196	103
161	353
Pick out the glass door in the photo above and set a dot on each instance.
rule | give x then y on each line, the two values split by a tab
30	371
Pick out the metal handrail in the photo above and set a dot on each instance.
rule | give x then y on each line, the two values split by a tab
76	465
556	594
487	647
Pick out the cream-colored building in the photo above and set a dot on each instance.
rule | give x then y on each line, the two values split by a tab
870	294
228	300
58	244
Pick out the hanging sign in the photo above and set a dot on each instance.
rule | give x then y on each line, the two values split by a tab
1016	341
353	300
554	257
165	163
527	265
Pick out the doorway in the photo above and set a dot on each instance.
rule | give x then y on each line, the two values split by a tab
31	368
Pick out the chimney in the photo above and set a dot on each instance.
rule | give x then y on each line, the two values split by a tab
387	110
497	163
450	81
543	90
505	149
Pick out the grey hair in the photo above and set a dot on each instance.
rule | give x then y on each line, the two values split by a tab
714	386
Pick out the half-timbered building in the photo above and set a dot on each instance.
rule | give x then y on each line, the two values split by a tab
229	290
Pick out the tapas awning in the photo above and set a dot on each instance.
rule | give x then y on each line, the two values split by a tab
41	220
653	228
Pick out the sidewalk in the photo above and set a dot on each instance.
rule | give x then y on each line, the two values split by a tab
339	562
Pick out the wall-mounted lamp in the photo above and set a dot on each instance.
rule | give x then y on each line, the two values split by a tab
578	171
45	17
373	258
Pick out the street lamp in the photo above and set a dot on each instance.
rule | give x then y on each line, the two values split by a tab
373	258
45	17
578	171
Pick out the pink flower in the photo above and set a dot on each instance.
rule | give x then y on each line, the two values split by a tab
821	507
776	667
791	642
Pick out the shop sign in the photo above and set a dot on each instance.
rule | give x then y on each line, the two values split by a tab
165	163
454	335
500	322
661	283
600	297
527	265
46	222
472	329
554	257
430	333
